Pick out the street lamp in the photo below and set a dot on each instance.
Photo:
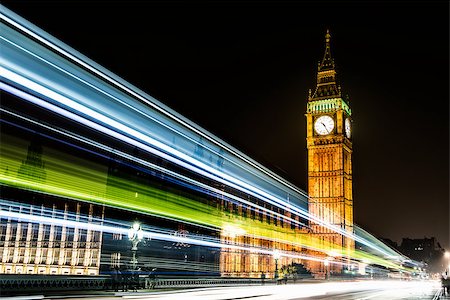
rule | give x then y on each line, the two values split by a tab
135	235
276	255
447	256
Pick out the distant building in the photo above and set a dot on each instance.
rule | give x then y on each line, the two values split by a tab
426	250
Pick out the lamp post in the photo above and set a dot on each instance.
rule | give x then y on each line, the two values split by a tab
447	266
135	235
276	255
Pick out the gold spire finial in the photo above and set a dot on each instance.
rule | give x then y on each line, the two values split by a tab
327	36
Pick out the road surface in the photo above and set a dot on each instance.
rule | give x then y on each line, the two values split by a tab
361	290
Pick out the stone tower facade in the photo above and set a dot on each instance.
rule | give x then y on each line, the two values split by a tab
329	143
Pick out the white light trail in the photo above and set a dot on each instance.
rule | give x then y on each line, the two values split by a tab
129	135
146	234
192	162
178	158
142	162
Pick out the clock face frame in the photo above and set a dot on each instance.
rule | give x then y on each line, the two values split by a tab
324	125
348	129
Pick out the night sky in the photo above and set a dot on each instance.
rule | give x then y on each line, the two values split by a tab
242	70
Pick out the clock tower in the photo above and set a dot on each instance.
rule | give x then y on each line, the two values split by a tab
329	143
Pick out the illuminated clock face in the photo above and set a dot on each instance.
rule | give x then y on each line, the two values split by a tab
348	129
324	125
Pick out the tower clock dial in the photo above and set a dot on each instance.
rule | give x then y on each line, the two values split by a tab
348	129
324	125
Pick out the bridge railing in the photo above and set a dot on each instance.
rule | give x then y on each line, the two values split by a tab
202	282
32	284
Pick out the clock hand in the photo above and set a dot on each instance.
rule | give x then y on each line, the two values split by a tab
326	129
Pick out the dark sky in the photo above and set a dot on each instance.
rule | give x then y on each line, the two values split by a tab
242	70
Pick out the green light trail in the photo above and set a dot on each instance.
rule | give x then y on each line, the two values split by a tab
71	177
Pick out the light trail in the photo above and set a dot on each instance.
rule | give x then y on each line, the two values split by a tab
182	180
92	116
165	206
146	234
184	213
50	216
70	115
202	145
185	219
119	136
75	94
214	192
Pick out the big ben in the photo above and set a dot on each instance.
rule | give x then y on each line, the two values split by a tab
329	143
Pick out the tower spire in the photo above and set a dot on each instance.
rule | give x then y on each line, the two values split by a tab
327	86
327	61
